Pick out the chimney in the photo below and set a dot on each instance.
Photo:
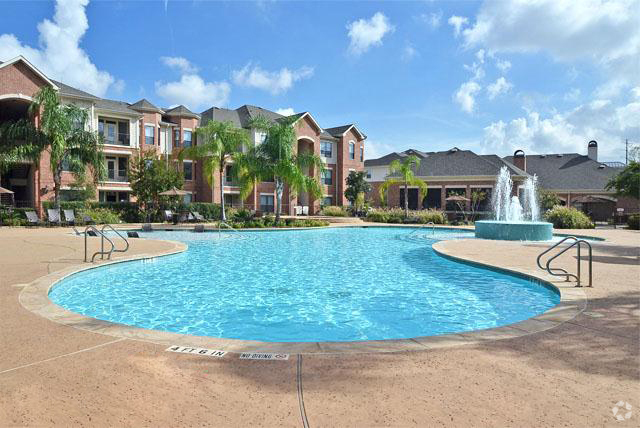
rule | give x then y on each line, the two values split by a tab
592	150
520	160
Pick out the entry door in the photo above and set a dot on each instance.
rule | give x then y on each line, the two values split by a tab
111	168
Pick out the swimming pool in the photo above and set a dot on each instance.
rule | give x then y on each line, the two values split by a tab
334	284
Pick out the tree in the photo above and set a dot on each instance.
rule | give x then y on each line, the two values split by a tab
477	196
548	199
150	176
61	133
276	159
20	141
218	144
403	173
627	181
356	185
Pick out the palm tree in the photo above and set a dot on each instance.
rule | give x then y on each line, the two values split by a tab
276	159
402	173
62	134
218	144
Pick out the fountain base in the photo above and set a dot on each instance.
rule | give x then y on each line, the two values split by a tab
514	230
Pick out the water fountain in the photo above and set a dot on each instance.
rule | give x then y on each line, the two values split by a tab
514	221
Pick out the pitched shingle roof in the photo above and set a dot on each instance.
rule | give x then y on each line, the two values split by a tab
241	117
337	131
115	106
73	92
454	162
144	105
570	171
180	111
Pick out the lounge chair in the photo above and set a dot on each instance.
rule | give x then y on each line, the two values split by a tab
297	210
197	216
305	210
132	234
53	217
32	218
168	216
86	219
69	217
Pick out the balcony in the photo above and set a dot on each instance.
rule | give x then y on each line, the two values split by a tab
116	178
118	140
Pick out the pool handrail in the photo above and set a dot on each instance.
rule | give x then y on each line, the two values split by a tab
227	225
562	272
102	252
126	241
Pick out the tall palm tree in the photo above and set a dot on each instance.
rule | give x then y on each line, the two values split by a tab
218	144
277	159
62	134
404	173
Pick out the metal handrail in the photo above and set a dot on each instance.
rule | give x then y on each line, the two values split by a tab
102	252
226	224
433	228
126	241
562	272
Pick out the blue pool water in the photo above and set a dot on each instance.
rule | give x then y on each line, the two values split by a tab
341	284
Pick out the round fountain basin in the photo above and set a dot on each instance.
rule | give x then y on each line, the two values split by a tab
514	230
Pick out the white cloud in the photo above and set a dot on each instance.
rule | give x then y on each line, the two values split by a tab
286	111
432	19
118	86
179	63
603	32
503	65
572	95
365	33
409	52
465	95
59	54
375	149
500	86
636	92
457	22
567	132
480	56
476	69
274	82
192	91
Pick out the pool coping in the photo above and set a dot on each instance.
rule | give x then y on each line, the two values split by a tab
35	298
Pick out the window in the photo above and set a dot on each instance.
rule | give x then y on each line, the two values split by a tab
368	172
228	174
187	167
187	139
327	201
123	133
65	164
111	168
361	153
352	150
266	203
188	198
326	177
114	131
261	137
176	138
149	135
104	196
122	167
326	149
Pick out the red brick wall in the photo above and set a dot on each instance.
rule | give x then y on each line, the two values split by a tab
18	78
345	164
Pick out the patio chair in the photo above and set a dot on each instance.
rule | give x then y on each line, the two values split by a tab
168	216
305	210
297	210
69	217
197	216
53	217
86	219
32	218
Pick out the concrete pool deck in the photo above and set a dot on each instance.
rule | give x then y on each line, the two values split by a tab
571	374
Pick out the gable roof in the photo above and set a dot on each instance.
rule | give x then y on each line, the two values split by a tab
33	68
453	162
181	111
339	131
568	171
116	106
70	91
144	105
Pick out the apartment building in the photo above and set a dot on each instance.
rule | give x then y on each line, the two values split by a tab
128	128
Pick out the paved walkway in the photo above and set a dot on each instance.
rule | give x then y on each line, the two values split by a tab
571	375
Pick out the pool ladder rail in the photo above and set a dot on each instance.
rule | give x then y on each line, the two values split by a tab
556	271
433	228
104	237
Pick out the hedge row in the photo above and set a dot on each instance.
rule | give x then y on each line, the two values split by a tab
396	215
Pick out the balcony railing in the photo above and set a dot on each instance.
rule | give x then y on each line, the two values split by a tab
117	178
120	140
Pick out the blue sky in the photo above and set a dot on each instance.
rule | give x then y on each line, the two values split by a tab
490	77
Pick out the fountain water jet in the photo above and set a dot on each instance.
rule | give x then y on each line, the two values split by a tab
514	221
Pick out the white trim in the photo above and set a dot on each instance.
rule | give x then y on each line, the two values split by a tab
187	129
434	186
114	189
267	194
305	137
33	68
357	130
481	186
15	97
305	114
150	124
454	186
109	150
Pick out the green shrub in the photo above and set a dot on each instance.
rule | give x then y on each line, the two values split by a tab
568	218
396	215
634	221
100	215
333	211
243	214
